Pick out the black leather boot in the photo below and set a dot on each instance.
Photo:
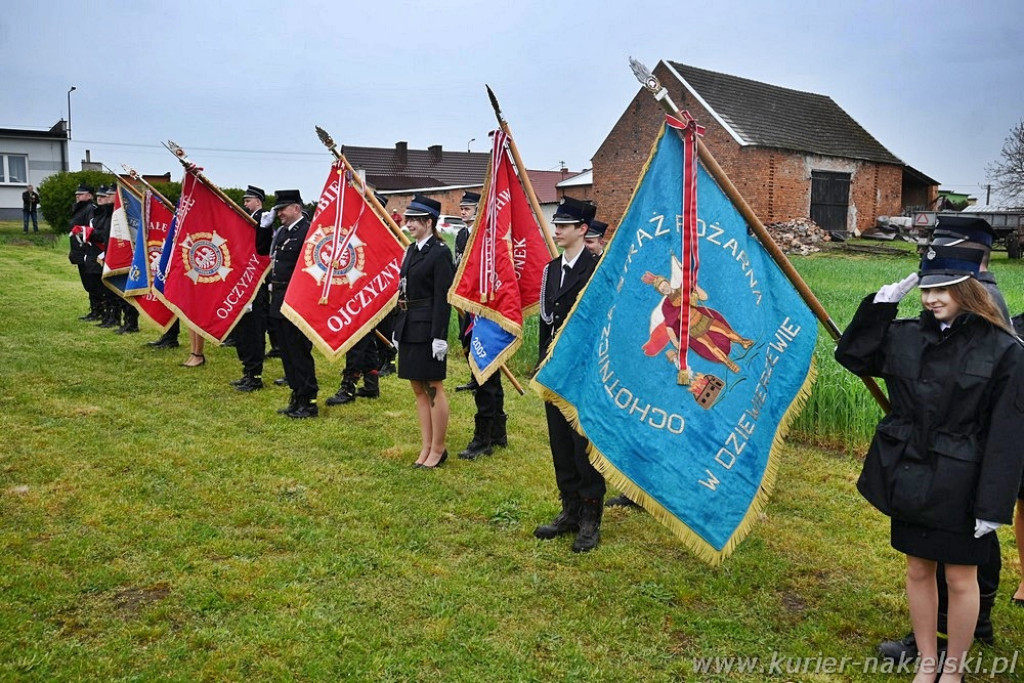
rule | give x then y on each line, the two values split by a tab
904	650
111	316
480	444
251	382
471	385
589	534
347	390
292	404
567	521
499	431
371	385
304	408
983	632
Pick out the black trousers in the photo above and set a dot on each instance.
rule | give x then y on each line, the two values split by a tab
297	359
490	397
574	474
251	334
92	283
362	357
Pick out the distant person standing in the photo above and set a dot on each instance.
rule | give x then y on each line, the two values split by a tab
29	207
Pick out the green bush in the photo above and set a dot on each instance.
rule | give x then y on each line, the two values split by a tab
57	195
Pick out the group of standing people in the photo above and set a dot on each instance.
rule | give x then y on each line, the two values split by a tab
946	463
90	231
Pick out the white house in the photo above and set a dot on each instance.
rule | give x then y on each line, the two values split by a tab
27	157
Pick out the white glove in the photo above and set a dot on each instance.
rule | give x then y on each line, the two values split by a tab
394	342
981	527
267	219
439	349
891	294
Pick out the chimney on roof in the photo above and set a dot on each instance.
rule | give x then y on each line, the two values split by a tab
402	153
565	172
88	156
435	154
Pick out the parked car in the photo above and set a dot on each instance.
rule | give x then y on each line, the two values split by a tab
450	224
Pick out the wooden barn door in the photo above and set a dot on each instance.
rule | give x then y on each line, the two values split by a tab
830	199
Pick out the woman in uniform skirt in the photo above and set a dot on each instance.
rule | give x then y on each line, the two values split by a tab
944	465
421	329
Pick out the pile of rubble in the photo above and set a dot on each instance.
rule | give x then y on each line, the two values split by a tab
798	236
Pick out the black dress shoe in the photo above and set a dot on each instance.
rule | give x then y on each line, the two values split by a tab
621	501
363	392
281	382
164	343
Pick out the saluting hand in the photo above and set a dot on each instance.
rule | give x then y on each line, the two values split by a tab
267	219
893	293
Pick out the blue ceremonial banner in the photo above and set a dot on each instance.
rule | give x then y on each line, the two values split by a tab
488	342
702	456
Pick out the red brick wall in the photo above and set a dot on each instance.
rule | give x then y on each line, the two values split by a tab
449	199
776	183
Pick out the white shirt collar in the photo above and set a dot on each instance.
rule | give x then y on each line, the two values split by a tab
420	243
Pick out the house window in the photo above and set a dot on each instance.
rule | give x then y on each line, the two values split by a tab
13	168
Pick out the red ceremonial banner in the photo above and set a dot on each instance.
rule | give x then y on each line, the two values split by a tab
214	271
149	242
500	275
346	279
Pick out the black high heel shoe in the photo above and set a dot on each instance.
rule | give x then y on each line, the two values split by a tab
440	461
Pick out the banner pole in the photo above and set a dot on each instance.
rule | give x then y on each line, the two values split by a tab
135	175
378	208
198	173
524	177
122	183
653	85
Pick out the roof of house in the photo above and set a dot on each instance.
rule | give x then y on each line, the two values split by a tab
545	184
56	132
579	180
434	167
766	115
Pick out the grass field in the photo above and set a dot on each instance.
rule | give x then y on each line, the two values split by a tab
157	525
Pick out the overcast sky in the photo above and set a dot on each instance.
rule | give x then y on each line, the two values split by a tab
241	85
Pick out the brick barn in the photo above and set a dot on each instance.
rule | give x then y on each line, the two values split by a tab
791	154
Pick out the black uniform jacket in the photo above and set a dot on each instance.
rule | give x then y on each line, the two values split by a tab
557	301
426	277
285	253
83	253
264	236
950	450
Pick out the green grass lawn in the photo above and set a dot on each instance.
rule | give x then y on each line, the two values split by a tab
157	525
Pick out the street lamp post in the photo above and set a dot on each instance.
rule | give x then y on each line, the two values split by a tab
71	90
471	141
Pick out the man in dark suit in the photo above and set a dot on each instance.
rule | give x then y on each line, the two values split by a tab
296	348
490	424
83	254
251	330
580	486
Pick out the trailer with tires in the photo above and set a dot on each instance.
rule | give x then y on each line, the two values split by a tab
1007	224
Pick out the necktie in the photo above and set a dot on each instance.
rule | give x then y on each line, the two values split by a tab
565	272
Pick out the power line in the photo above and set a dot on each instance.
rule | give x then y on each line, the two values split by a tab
200	149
